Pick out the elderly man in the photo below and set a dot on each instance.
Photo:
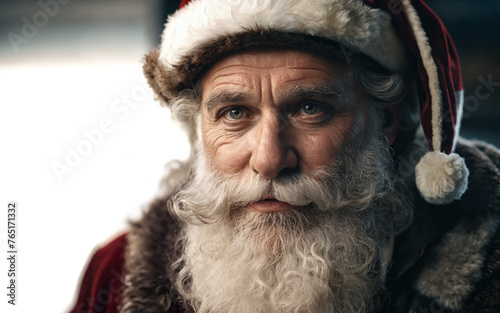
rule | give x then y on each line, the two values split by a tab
298	196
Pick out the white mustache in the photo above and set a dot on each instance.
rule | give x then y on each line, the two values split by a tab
351	181
295	189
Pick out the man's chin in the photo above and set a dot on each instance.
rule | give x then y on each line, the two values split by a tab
268	232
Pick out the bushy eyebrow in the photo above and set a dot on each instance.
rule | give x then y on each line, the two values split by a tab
338	92
227	97
322	91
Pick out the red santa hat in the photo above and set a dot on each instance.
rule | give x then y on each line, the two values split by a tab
386	31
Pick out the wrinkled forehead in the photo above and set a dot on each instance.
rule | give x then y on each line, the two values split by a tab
289	68
274	45
187	73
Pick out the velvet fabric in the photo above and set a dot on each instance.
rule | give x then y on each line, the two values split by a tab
103	281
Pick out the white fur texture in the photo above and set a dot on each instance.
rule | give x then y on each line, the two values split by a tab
441	178
351	23
460	112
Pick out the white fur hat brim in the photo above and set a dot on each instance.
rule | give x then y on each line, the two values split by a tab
351	23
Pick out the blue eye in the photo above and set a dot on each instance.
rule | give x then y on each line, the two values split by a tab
236	113
310	108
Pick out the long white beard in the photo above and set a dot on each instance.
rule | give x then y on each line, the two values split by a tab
322	257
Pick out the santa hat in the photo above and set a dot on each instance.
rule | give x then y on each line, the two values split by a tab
202	31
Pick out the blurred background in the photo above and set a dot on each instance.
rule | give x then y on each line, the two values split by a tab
474	27
84	143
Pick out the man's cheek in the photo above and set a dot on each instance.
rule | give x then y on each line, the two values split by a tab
225	153
316	152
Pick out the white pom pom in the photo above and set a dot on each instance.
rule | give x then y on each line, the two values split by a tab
441	178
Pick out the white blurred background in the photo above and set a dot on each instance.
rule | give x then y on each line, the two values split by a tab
83	143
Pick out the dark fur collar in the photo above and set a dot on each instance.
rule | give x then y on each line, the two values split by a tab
444	250
152	248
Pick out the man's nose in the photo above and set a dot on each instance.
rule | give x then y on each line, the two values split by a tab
272	149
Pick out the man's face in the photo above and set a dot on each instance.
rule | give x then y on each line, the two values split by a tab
293	195
270	112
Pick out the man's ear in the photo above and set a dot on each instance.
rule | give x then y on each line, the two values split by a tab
391	123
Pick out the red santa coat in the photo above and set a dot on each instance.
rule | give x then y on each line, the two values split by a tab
103	281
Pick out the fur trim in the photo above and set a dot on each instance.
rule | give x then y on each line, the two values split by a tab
167	83
349	22
455	264
152	248
441	178
460	112
156	77
486	296
202	24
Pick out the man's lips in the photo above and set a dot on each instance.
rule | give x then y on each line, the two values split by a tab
270	206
